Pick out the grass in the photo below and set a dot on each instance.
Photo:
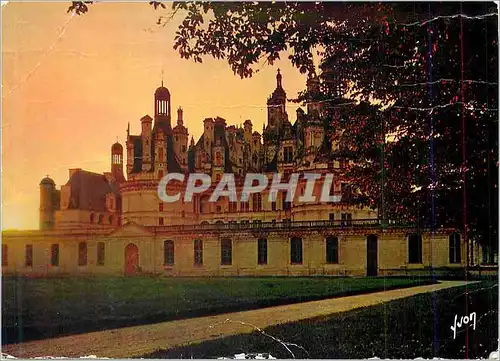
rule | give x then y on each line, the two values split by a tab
409	328
50	307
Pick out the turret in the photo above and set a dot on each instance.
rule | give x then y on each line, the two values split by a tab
160	165
248	131
47	207
208	133
276	104
313	89
162	109
181	135
146	126
117	162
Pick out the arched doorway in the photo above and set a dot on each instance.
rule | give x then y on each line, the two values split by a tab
371	255
131	259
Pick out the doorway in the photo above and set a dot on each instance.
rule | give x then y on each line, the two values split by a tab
131	259
371	255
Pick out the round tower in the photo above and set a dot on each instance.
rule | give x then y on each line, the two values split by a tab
47	211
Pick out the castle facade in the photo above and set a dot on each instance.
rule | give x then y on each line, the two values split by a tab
116	223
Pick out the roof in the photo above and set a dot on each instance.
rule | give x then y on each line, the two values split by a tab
88	191
47	181
162	92
117	148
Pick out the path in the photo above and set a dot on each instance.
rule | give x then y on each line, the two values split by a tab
135	341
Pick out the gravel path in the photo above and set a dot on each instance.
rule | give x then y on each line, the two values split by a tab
140	340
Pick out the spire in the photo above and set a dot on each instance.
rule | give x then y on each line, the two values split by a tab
278	79
161	77
128	129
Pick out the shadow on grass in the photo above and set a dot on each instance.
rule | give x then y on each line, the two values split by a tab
25	329
417	326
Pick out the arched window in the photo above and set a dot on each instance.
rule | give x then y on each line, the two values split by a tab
198	252
101	249
332	249
415	248
168	253
226	252
92	217
454	248
204	223
5	255
82	254
101	219
110	219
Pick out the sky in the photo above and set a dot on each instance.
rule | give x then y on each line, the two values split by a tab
70	85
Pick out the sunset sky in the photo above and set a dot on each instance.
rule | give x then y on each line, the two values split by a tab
70	84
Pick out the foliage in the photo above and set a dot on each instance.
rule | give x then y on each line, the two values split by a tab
428	151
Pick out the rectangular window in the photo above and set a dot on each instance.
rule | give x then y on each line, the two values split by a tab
288	154
198	252
296	250
168	253
262	251
226	252
286	205
101	249
346	219
82	254
332	249
160	221
28	262
273	206
244	206
54	255
331	217
454	247
257	202
414	248
233	207
160	206
5	255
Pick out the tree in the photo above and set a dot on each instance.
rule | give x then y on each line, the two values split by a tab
428	152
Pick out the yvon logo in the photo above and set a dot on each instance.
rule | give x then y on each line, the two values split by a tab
464	320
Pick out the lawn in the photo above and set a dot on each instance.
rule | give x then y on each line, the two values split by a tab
414	327
50	307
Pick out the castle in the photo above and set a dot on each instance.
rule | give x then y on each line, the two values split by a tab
109	223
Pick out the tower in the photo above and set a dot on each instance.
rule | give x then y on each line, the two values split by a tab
181	139
117	162
146	135
313	90
47	209
163	115
247	126
276	104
